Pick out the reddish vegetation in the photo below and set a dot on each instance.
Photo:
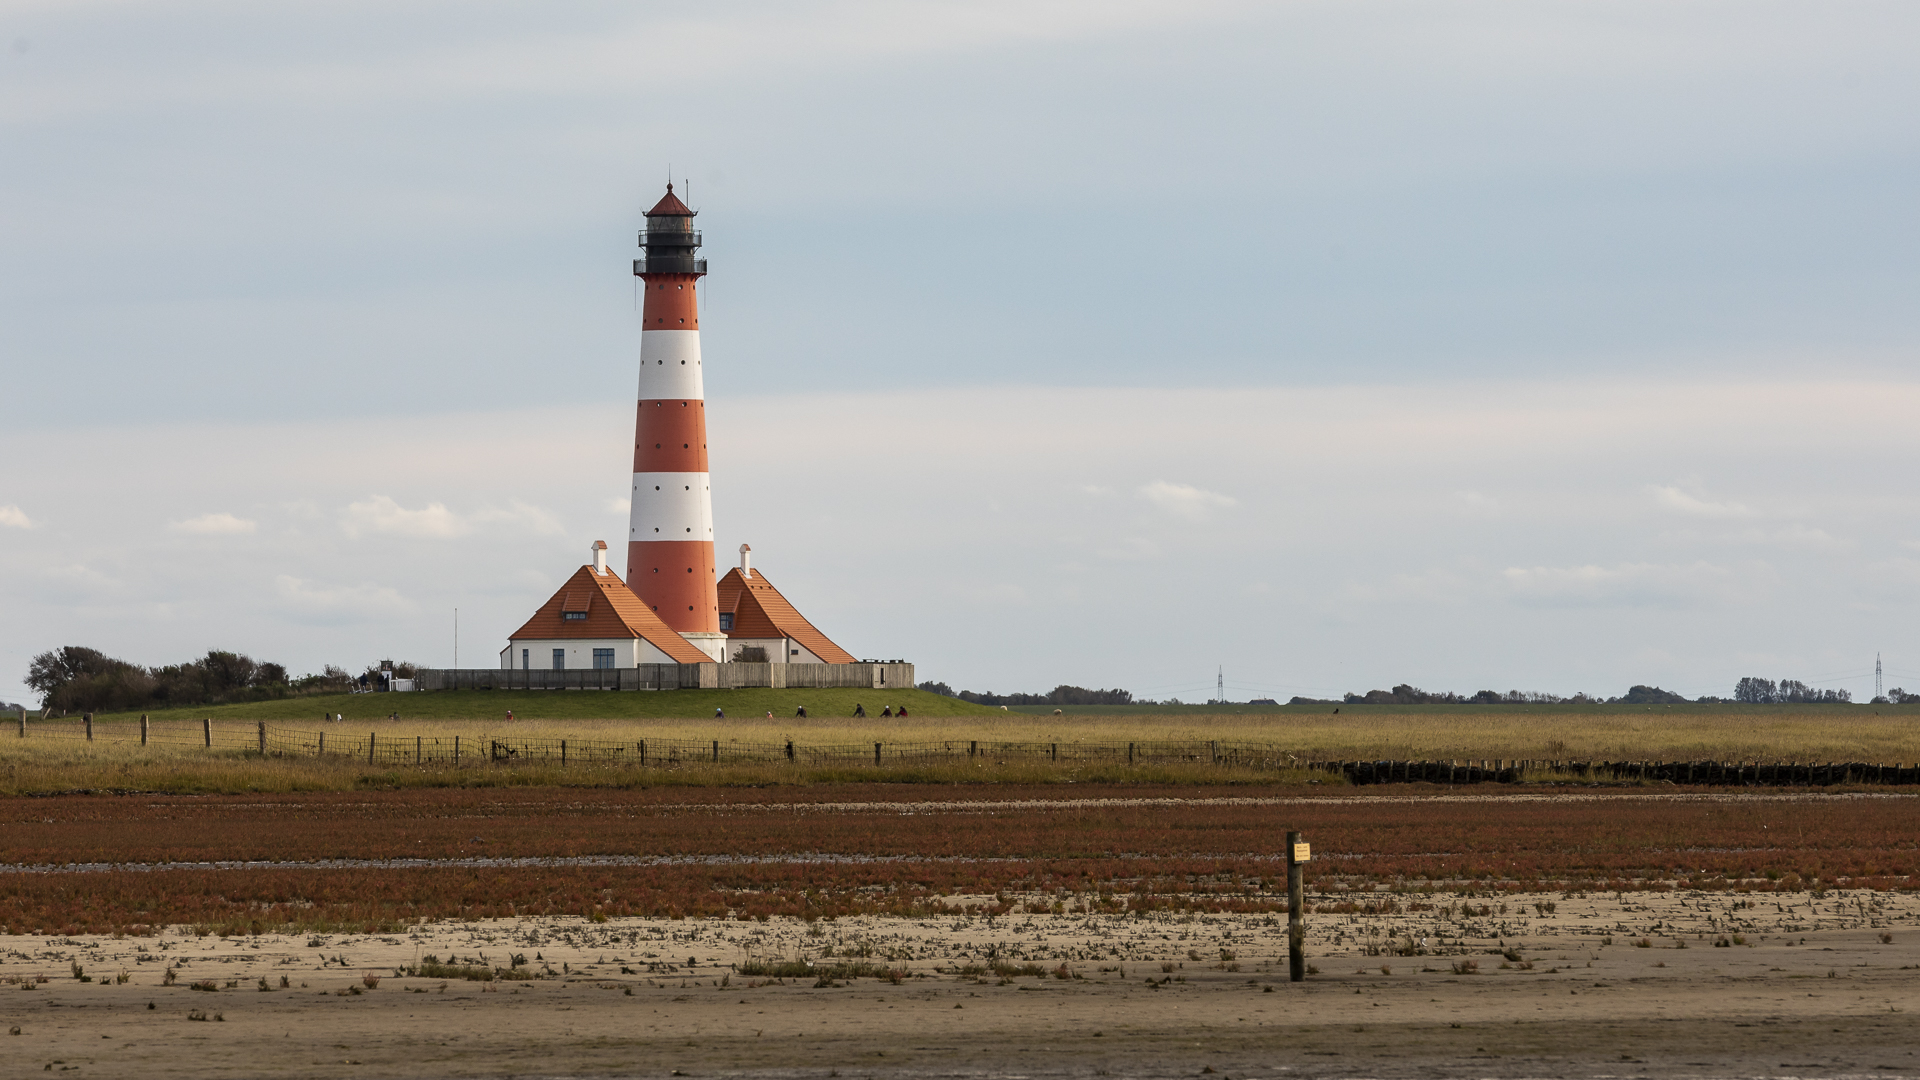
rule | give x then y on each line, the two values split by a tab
1192	855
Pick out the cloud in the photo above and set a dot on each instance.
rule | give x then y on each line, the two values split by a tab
85	577
14	518
526	515
1621	585
1674	499
381	514
341	603
221	524
1184	500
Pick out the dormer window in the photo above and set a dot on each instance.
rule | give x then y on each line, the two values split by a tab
572	615
726	620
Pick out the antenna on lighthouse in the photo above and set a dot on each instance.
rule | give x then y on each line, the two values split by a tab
1220	686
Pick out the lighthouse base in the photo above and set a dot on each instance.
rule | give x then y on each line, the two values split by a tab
714	645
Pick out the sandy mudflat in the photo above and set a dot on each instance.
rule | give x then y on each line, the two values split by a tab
1811	991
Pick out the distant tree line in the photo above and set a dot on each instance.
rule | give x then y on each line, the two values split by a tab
1749	691
74	678
1752	691
1059	695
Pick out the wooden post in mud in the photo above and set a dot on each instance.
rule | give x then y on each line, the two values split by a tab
1297	855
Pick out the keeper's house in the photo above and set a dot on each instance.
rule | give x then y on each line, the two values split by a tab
595	621
760	622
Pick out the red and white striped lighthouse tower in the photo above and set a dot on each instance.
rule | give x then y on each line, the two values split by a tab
670	536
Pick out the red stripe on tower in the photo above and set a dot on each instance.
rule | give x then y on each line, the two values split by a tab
670	535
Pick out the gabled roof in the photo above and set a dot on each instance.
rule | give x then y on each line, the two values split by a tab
612	612
670	205
759	611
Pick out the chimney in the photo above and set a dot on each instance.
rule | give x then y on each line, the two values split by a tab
600	557
746	562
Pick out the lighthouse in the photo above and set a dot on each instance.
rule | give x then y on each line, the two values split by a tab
670	564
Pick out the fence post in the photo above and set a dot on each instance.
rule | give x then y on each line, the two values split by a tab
417	744
973	748
372	737
876	752
1053	751
563	753
1129	753
789	749
643	751
143	729
321	750
716	751
263	738
206	731
456	749
1296	916
23	721
89	727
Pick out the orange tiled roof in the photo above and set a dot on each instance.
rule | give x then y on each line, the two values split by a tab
671	204
612	612
759	611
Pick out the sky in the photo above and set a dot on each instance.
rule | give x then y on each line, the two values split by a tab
1552	347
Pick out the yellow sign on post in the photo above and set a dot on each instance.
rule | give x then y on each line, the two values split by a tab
1303	853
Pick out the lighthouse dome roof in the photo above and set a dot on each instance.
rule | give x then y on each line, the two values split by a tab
670	206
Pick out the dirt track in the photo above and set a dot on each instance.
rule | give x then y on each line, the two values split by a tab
1811	990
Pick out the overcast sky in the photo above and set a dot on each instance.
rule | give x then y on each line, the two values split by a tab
1478	345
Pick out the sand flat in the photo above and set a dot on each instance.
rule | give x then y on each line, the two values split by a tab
1810	990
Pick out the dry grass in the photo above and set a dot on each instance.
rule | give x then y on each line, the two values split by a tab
177	760
36	766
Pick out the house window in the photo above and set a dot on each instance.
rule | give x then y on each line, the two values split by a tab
603	658
559	659
525	659
726	620
572	615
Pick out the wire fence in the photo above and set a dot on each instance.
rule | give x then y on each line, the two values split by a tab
375	748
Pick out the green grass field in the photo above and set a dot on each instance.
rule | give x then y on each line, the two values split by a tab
556	705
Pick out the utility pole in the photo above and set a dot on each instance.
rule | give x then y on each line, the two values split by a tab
456	639
1878	691
1220	686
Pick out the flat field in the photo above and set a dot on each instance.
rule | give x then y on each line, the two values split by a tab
974	930
384	860
1880	733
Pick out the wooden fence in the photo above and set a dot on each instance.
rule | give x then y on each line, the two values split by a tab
375	748
672	677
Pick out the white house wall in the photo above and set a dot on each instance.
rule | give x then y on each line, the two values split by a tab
627	652
779	650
